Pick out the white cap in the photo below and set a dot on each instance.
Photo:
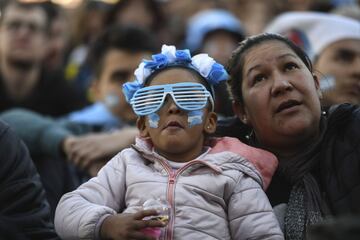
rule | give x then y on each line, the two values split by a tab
320	29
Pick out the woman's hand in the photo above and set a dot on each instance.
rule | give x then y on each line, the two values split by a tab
128	226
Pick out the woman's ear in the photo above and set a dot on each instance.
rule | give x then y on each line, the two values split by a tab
210	123
141	125
240	112
317	85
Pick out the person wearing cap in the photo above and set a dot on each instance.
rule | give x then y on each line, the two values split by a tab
217	33
214	31
333	43
213	186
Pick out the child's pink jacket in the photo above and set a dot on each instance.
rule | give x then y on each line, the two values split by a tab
219	195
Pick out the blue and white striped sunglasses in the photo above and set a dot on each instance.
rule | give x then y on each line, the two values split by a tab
187	96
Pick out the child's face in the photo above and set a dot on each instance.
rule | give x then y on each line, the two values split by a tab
174	135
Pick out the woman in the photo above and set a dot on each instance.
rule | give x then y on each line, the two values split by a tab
276	96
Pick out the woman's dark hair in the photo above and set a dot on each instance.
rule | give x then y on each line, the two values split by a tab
236	62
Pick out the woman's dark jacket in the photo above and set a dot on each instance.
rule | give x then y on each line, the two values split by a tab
338	172
24	211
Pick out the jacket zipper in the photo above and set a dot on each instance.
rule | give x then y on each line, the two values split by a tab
170	197
171	192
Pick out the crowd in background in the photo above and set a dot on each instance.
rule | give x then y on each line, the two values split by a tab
71	32
61	70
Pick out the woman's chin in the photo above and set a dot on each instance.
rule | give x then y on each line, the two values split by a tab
296	128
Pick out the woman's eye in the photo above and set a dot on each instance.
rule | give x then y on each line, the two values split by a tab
291	66
258	78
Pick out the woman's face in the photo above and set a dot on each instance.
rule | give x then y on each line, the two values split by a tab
341	60
280	95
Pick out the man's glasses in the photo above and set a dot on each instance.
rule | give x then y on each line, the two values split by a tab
187	96
16	25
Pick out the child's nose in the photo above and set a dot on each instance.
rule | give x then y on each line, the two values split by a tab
171	105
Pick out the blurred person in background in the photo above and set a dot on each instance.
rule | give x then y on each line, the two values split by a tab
88	21
333	43
113	57
147	14
90	137
216	32
142	13
254	14
282	6
351	11
24	80
59	36
24	211
179	12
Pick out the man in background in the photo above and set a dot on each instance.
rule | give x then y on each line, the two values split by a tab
24	33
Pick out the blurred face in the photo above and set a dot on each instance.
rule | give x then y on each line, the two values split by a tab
117	68
22	34
136	13
341	60
281	100
94	24
57	43
173	138
220	46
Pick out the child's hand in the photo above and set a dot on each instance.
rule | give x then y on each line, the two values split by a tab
128	226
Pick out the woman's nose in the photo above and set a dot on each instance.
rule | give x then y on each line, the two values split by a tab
281	84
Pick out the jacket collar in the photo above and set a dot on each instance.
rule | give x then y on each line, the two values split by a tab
223	153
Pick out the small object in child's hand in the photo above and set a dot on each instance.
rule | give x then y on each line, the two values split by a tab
161	207
163	210
162	218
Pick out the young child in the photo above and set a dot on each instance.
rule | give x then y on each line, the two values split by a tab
213	189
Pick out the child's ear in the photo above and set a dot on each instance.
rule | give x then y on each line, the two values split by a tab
210	123
141	125
240	112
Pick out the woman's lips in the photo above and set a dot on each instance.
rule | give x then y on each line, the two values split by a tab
287	104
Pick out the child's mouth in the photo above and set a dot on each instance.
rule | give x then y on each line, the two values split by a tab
173	124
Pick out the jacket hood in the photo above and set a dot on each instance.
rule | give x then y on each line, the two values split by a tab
265	162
